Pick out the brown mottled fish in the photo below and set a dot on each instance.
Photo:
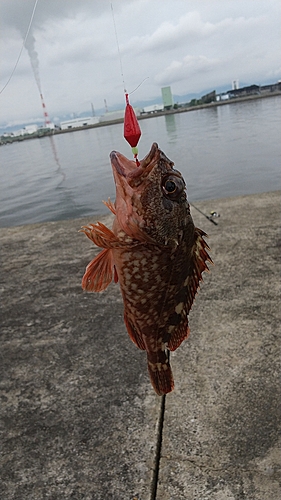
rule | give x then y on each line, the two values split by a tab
155	252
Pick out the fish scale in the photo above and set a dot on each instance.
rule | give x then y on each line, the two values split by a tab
156	254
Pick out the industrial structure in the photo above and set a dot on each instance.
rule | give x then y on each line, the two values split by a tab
109	116
153	108
45	112
211	98
248	91
235	84
167	97
167	103
79	122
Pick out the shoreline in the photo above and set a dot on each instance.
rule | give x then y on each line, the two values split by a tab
106	216
143	116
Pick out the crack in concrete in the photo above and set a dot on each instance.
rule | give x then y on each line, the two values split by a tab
228	469
159	436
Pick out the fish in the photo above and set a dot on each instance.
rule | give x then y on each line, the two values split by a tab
156	254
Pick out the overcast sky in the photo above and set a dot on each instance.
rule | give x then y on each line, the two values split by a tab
191	45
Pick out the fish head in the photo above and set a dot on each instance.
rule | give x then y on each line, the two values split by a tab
151	201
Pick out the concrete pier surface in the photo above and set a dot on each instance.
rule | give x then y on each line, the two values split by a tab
79	418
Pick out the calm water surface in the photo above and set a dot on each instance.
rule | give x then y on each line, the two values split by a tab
225	151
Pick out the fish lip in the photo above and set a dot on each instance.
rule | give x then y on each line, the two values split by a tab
128	168
114	158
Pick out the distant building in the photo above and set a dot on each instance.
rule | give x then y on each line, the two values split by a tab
273	87
237	92
17	133
244	91
79	122
112	116
248	91
50	126
116	115
153	108
167	97
30	129
222	97
235	84
210	97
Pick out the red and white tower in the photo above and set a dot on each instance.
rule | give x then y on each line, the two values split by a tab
45	112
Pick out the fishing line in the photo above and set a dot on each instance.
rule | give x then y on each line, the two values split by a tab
23	44
209	217
120	58
132	131
118	48
146	78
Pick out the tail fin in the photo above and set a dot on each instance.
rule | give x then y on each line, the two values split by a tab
160	372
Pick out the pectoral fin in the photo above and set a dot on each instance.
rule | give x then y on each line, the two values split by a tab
99	272
110	205
100	235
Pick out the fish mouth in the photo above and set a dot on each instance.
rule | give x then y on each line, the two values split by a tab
123	167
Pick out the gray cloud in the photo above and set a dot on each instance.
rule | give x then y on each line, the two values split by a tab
182	70
194	46
17	13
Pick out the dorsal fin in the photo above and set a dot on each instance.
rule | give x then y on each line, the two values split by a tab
178	320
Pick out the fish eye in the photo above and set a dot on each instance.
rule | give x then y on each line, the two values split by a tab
170	186
173	187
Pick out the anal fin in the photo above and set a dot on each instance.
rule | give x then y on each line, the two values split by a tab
178	335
